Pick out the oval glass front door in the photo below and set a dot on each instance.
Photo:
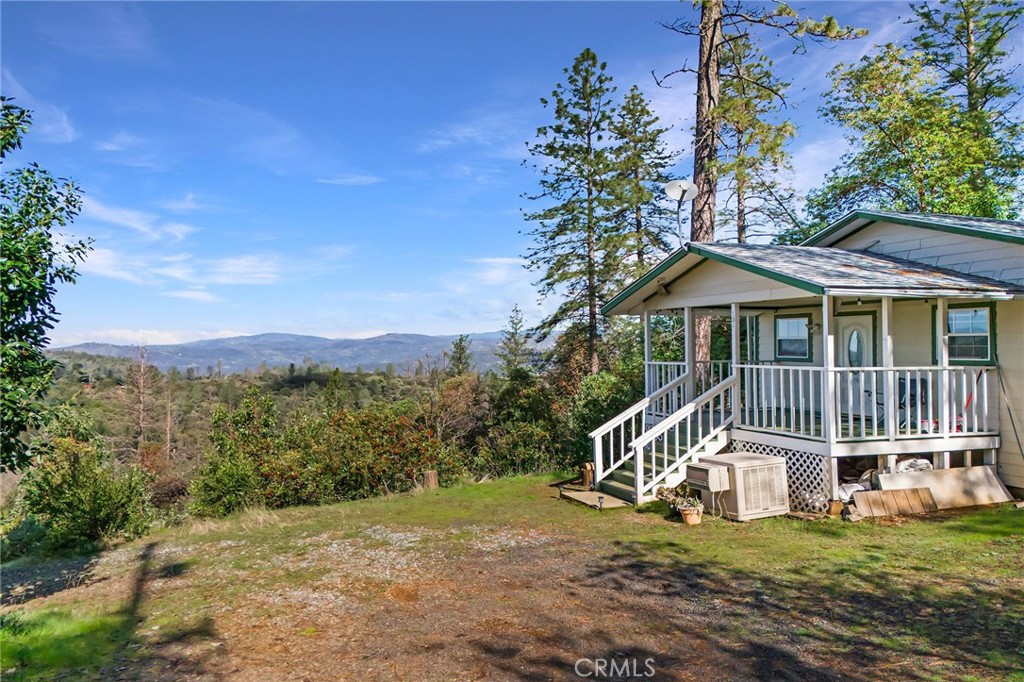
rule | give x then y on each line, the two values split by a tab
855	349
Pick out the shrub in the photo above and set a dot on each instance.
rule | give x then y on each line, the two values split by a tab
316	459
82	496
517	448
230	479
600	397
225	484
22	535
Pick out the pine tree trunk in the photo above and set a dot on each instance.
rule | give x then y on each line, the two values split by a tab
706	131
741	210
639	222
705	149
591	281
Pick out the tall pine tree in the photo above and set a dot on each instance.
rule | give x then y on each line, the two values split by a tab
754	159
574	233
641	159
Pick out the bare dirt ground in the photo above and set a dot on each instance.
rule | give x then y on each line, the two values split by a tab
478	602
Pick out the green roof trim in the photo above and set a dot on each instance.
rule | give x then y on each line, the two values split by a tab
1009	231
652	275
757	270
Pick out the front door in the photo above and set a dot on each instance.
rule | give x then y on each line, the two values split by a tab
855	335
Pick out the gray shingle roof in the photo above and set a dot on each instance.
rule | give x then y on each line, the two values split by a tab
987	228
824	270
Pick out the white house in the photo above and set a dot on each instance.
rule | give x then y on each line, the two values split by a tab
886	335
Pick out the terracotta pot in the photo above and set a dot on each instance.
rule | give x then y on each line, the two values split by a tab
691	515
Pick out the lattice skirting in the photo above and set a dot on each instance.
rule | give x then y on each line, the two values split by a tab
809	488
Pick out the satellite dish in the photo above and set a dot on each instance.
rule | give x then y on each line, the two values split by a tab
681	190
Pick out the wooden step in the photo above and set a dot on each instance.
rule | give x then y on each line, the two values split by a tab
619	490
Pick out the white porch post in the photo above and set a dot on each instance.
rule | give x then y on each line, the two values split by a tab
691	351
943	392
828	352
647	353
734	392
890	410
735	356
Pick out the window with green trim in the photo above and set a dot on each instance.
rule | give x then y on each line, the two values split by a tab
793	338
968	331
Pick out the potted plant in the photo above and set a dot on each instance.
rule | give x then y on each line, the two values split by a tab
684	503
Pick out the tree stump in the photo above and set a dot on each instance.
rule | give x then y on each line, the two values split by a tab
430	480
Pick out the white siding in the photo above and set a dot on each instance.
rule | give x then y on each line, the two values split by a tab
717	284
971	255
1010	348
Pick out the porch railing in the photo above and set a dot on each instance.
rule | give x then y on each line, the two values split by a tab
612	439
707	374
659	374
921	402
867	402
782	398
663	449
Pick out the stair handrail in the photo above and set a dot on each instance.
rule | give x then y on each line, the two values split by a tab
683	412
636	448
640	406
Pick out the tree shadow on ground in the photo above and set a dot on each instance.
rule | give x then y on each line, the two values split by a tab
117	647
23	583
849	621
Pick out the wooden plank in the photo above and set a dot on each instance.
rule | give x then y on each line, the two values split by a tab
914	498
889	503
961	487
894	502
902	503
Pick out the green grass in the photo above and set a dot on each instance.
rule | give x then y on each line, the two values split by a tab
946	585
41	643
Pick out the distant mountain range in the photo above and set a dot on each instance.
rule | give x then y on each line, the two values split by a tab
240	353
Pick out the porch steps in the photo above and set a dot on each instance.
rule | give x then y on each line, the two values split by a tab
621	483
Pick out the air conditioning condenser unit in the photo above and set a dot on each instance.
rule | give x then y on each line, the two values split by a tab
757	486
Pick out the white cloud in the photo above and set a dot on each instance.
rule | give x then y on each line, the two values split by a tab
498	271
121	141
495	133
50	123
145	223
249	269
333	252
352	180
178	231
190	203
113	265
813	160
193	295
100	30
139	221
133	337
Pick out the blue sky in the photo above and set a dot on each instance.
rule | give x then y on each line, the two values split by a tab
332	168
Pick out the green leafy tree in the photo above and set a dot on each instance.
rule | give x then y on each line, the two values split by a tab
34	258
641	157
572	241
754	159
901	133
965	42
